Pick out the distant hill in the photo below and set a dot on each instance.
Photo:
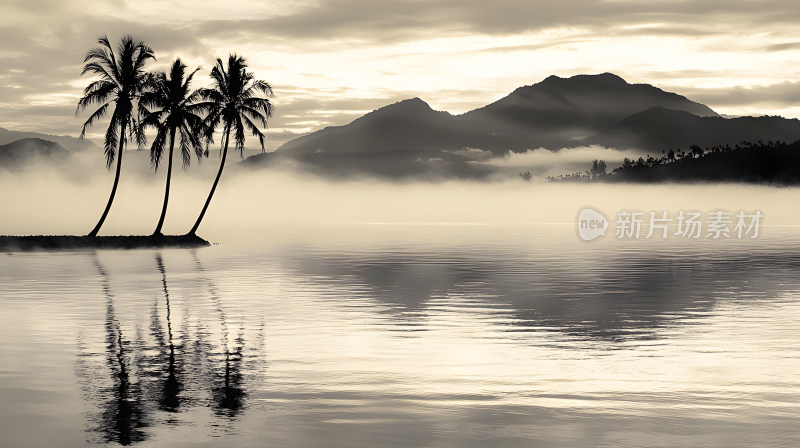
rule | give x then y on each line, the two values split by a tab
408	124
27	150
69	143
658	129
560	112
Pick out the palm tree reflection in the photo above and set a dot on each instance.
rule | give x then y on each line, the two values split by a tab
156	375
227	391
123	413
169	400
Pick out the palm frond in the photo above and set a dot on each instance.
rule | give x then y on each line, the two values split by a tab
255	115
110	57
143	53
97	68
239	135
186	154
254	130
137	132
189	131
263	87
97	115
111	140
97	92
157	148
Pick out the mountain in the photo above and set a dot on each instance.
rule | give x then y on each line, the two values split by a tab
554	113
18	153
69	143
560	112
589	101
408	124
657	129
404	140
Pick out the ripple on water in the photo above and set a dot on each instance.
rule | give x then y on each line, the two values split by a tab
514	340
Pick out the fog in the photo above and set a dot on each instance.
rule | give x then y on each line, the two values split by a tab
543	162
267	203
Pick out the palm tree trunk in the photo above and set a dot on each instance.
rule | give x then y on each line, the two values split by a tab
157	232
96	229
216	181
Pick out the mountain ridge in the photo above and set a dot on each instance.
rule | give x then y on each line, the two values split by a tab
21	152
603	109
553	113
67	142
655	128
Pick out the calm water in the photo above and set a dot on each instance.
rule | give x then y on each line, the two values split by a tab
365	336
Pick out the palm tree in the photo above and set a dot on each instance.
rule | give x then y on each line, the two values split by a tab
122	78
233	101
172	109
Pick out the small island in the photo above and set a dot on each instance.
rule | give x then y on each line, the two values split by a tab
67	242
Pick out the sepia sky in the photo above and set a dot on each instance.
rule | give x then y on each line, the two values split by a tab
330	61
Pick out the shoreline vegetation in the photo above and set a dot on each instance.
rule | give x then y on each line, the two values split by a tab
9	243
770	163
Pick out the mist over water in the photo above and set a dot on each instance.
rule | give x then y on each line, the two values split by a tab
254	204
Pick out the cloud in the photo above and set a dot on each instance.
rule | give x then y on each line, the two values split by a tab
357	55
391	21
783	47
785	94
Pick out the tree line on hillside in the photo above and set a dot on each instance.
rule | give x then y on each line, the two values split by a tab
138	100
771	162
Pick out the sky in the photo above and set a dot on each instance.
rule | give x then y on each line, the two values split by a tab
331	61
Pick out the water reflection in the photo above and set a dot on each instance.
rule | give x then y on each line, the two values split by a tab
123	415
172	384
417	346
227	390
600	296
151	377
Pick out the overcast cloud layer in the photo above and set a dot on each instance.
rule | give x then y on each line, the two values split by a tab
330	61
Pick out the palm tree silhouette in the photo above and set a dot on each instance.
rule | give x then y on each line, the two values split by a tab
233	101
122	79
172	108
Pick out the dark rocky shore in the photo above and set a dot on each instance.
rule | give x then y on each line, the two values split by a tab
68	242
